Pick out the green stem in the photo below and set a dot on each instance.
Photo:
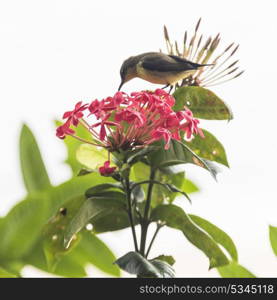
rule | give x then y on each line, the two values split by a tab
159	226
145	220
130	214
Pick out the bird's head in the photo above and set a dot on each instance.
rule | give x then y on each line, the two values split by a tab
128	70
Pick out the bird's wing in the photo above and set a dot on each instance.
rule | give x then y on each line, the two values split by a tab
165	63
188	62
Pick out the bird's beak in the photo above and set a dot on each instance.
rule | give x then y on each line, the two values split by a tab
120	86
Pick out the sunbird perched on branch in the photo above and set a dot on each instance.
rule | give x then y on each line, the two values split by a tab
158	68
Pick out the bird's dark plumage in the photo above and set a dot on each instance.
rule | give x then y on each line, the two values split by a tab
167	63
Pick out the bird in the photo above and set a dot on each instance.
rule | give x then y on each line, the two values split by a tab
158	68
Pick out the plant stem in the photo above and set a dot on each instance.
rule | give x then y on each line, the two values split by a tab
145	219
159	226
130	214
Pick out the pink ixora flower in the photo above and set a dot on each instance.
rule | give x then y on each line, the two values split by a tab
106	170
190	126
124	122
162	133
64	130
76	114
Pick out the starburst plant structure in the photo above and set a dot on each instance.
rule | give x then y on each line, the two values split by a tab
204	51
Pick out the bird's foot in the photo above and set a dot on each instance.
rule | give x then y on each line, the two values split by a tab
166	86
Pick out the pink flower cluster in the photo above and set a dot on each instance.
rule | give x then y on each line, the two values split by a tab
128	122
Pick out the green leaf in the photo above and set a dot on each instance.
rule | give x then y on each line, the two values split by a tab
234	270
217	234
135	263
29	216
13	267
92	209
72	145
189	187
53	232
273	238
209	148
113	220
202	102
91	156
176	218
179	181
92	250
26	219
167	258
67	266
33	169
95	190
84	171
178	153
5	274
139	155
173	189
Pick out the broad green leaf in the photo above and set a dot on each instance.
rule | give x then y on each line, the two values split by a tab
91	156
202	102
176	218
32	167
178	153
89	250
135	263
92	209
167	258
140	172
53	232
160	194
76	187
22	227
72	145
109	194
67	266
173	189
234	270
273	238
209	148
102	187
6	274
29	216
189	187
83	172
13	266
92	250
217	234
113	220
139	155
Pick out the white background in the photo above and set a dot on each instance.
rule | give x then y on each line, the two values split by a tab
53	53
